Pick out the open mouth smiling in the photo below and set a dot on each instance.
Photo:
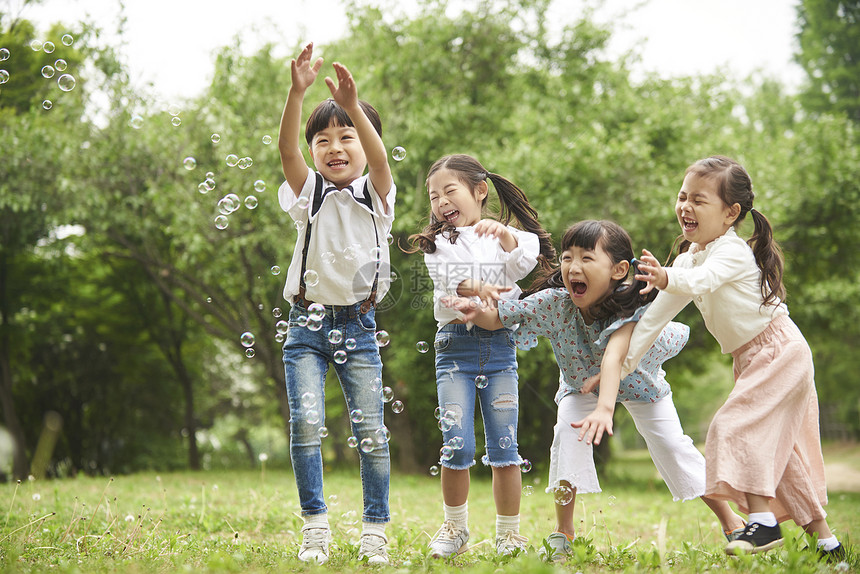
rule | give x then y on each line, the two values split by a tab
689	224
337	163
450	216
578	287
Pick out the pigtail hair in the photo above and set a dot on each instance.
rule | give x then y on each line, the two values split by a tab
425	241
769	258
514	203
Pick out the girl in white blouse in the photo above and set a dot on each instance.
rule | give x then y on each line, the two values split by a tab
468	255
763	449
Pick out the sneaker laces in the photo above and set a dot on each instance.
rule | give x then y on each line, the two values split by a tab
373	545
512	539
448	531
314	538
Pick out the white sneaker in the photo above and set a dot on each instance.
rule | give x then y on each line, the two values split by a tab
449	540
373	547
509	543
315	541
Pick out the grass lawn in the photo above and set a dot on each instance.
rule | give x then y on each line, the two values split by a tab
248	521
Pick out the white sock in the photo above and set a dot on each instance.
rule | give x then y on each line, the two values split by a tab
459	515
316	520
763	518
828	543
505	524
377	528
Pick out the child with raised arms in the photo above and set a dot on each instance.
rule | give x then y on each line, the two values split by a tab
587	309
763	449
472	256
337	274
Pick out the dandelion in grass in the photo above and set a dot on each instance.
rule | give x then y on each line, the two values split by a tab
263	457
37	497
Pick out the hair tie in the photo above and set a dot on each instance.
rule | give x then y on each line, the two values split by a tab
485	175
634	263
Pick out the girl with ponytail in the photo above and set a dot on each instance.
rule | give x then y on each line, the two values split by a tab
472	256
763	449
587	308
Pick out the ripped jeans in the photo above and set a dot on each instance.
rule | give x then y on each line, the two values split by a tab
481	363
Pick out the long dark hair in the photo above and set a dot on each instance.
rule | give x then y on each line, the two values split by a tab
735	186
625	298
511	198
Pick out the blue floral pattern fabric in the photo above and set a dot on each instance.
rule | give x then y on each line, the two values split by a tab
579	347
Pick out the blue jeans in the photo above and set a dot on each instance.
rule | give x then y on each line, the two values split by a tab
462	356
307	355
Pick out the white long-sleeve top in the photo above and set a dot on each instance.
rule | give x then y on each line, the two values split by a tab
479	258
724	282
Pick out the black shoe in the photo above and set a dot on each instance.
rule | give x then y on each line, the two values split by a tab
754	539
838	554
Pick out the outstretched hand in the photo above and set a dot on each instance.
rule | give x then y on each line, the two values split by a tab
650	271
594	425
303	73
345	92
468	307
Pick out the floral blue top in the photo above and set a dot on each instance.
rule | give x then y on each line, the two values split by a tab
579	347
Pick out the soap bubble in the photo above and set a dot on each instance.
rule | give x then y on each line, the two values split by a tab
444	424
612	500
456	442
422	346
60	65
314	324
48	47
387	394
312	417
376	385
526	465
335	337
311	277
67	39
323	432
352	442
356	415
4	54
350	344
267	139
528	490
47	71
446	453
247	339
340	357
279	338
438	413
202	188
221	222
249	352
302	202
505	442
232	159
66	82
481	381
259	185
563	495
275	270
309	400
245	163
383	435
36	46
302	320
327	257
176	121
382	338
397	407
251	202
47	104
215	138
367	445
398	153
276	312
136	122
282	327
4	76
376	254
209	182
389	239
434	470
189	163
316	311
349	252
174	109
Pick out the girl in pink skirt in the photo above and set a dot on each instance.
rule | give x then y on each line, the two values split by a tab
763	449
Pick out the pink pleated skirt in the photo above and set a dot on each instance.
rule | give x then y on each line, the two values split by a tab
765	439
